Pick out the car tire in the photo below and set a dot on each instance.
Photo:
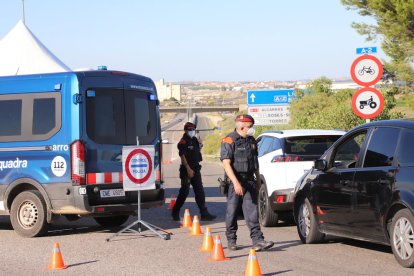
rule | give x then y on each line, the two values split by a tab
402	231
306	223
28	214
267	217
111	221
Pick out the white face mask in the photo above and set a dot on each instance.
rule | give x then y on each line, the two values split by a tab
251	131
191	133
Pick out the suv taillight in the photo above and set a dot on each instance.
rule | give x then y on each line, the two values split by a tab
285	158
77	157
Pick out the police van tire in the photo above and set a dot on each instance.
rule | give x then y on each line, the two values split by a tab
28	214
111	221
267	217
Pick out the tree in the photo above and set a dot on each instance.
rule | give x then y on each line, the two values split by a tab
395	25
322	86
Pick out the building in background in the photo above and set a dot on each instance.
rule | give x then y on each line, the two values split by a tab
167	91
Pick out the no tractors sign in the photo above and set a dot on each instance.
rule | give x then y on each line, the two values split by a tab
367	102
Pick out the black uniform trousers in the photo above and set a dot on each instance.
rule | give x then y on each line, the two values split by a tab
249	206
197	184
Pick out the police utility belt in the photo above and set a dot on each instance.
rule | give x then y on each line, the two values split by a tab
224	184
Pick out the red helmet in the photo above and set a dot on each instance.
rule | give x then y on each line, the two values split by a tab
244	118
189	126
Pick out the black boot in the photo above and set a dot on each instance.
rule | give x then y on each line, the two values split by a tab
175	214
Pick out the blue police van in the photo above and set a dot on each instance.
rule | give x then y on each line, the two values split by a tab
61	139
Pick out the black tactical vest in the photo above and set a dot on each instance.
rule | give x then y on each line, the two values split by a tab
193	152
245	154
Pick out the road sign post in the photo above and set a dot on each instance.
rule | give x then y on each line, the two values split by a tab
138	174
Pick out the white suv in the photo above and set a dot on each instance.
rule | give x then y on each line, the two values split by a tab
284	156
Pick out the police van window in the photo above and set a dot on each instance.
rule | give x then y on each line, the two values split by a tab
140	117
29	116
382	147
43	122
115	116
105	116
10	117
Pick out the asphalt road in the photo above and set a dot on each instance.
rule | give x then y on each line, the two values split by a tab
86	252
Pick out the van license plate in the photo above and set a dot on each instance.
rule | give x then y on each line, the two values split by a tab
112	193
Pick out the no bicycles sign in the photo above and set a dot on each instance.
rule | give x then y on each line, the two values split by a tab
366	70
138	168
367	102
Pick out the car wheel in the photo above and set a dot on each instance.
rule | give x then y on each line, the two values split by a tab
28	214
306	224
111	221
267	217
402	238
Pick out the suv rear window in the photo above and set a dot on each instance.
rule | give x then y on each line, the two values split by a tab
117	116
309	145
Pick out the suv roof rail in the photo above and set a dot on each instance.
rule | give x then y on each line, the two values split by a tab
273	131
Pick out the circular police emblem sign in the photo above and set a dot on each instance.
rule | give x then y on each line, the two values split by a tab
138	168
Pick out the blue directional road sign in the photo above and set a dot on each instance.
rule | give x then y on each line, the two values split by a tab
270	97
366	50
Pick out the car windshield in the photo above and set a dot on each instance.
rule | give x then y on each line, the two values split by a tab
117	116
309	145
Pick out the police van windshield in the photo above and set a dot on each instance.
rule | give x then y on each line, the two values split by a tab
117	116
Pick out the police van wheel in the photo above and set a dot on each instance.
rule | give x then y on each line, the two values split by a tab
111	221
28	214
267	217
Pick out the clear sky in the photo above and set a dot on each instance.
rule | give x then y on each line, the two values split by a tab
194	40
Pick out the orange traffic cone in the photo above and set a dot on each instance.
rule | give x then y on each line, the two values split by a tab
208	243
252	268
196	229
217	254
187	222
172	202
56	260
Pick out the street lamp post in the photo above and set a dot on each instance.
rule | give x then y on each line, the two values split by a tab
189	106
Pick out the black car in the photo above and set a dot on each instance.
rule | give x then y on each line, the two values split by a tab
362	188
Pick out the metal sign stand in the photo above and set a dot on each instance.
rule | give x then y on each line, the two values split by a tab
155	229
162	233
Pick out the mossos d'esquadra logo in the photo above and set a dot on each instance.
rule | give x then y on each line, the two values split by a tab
13	164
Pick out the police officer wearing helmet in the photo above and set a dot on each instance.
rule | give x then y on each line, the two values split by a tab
189	150
241	166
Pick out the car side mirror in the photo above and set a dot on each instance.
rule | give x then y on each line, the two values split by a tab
321	164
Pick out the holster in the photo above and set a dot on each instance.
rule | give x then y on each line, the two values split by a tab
223	186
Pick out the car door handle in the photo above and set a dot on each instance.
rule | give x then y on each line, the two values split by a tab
345	182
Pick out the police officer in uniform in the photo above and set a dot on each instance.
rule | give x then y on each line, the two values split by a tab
241	166
189	150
